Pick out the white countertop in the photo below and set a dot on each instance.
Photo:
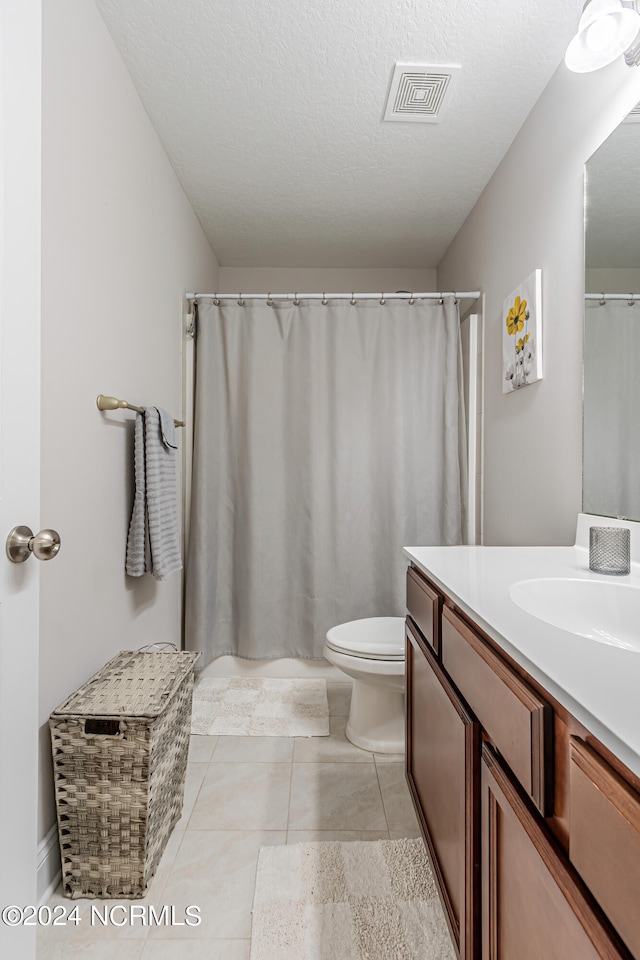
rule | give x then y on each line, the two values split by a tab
599	684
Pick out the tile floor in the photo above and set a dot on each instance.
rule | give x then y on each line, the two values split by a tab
243	793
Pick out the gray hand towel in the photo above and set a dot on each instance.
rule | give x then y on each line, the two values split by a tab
138	558
153	544
167	429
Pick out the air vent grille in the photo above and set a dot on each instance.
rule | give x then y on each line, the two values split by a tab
419	92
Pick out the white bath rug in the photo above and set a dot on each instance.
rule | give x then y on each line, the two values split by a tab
260	707
367	900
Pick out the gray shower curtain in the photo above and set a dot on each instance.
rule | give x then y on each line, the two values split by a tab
326	439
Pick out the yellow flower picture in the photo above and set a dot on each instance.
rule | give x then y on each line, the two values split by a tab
516	316
522	335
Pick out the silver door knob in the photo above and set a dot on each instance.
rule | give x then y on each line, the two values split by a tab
21	543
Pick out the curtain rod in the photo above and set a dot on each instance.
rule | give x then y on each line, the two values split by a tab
629	297
473	295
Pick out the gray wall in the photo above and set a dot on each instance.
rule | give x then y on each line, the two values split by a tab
121	245
530	215
330	279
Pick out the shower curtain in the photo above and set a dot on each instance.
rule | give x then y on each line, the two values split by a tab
611	461
326	439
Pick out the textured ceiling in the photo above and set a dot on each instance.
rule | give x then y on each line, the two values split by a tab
613	201
271	113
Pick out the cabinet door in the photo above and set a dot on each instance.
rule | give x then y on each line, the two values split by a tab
604	843
534	905
443	754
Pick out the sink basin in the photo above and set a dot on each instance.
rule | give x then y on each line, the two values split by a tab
606	612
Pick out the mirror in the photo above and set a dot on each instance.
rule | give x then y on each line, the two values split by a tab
611	430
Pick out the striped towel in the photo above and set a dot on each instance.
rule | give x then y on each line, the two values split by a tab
153	545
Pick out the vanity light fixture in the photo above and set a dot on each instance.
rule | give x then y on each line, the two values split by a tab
607	28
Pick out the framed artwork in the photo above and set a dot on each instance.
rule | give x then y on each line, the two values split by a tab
522	334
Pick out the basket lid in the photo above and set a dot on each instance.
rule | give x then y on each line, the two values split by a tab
135	683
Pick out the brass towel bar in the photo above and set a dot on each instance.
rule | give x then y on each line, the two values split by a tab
112	403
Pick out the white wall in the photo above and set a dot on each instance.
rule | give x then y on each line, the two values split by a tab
121	245
531	215
332	280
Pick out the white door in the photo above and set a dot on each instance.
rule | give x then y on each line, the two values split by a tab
20	121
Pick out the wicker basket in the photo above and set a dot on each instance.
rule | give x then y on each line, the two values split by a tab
120	747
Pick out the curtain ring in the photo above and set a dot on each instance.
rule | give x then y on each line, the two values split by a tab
455	299
269	300
324	298
631	302
296	302
216	302
240	301
353	300
602	300
412	299
441	300
383	301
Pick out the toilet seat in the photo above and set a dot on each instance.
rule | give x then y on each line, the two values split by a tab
374	638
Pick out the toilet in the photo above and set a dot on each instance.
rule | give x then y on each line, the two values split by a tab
372	652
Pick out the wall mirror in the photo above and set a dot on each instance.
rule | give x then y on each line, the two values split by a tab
611	431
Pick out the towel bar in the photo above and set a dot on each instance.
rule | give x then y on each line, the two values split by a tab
112	403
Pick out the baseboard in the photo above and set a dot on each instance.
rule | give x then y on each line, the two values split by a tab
48	865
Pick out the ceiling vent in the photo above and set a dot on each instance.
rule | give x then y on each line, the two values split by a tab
634	115
419	93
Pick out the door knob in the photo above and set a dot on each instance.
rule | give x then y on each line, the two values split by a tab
21	543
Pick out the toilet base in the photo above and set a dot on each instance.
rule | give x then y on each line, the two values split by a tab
376	718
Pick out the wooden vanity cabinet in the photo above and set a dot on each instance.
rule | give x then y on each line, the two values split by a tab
443	777
503	813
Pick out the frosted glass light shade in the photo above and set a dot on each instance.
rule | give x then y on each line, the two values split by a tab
606	29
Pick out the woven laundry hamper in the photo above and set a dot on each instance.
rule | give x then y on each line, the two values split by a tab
120	747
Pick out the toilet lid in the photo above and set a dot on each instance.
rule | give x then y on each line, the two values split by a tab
375	638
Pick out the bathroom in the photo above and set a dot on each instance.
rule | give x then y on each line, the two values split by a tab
114	247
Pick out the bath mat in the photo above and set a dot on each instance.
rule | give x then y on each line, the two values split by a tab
365	900
260	707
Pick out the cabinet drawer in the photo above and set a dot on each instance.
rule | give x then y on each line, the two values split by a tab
604	840
424	605
517	721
